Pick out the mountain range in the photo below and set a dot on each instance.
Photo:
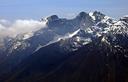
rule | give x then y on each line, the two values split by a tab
91	47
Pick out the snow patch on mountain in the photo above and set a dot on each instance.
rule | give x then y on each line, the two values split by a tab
91	15
27	36
72	34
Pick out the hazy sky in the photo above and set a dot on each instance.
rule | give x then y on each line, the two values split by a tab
35	9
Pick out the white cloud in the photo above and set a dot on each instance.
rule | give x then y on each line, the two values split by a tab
19	27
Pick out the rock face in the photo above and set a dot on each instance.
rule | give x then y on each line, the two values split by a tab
91	47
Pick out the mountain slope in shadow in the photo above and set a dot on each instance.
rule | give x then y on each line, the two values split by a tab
94	62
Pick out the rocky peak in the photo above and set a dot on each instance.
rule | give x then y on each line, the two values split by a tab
53	18
82	15
98	16
125	19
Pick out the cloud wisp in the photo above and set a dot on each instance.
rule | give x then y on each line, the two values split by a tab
12	29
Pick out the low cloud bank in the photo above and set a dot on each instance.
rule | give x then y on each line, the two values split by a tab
12	29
